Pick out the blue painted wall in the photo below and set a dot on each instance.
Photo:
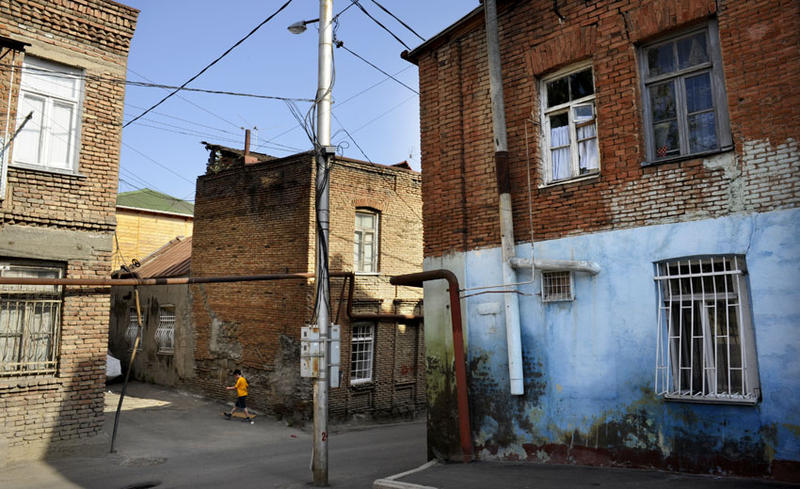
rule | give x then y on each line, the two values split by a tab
590	364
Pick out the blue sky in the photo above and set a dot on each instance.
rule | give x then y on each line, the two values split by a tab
175	39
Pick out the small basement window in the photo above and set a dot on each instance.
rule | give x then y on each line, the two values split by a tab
557	286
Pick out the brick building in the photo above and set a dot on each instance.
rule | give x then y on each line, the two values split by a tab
58	190
255	215
166	353
660	139
146	221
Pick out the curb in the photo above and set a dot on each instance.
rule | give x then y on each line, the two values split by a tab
391	482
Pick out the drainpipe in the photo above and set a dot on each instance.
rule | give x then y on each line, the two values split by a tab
416	280
511	300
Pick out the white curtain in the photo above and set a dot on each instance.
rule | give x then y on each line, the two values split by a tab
559	136
587	150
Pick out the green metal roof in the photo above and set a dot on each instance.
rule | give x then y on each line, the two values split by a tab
154	201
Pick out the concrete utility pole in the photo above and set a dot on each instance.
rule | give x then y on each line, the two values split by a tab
323	153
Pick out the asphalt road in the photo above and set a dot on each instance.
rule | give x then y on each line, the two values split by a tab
168	439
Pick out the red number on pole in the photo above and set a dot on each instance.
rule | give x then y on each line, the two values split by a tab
324	436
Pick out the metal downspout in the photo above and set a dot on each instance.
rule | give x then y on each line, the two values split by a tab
511	300
416	280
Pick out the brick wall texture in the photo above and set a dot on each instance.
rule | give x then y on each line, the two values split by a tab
760	48
259	218
39	414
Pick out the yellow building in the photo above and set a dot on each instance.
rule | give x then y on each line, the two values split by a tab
146	221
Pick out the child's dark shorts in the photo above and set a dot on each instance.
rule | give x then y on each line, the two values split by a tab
241	402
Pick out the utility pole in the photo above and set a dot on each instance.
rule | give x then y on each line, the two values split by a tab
323	155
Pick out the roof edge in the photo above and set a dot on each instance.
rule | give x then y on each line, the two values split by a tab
442	37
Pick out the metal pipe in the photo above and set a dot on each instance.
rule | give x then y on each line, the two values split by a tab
511	300
416	280
366	316
556	265
110	282
128	372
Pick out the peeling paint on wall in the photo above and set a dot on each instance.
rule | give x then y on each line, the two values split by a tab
589	363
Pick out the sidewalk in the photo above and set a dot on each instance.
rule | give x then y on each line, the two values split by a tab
489	475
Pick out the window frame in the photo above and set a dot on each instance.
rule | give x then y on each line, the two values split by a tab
50	100
32	297
166	329
557	297
544	116
718	92
358	261
367	339
132	329
670	369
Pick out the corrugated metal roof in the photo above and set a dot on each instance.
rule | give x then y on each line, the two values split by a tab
154	201
171	260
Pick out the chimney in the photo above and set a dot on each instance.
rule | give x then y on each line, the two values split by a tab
248	160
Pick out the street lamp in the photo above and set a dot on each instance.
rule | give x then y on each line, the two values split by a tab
324	151
299	27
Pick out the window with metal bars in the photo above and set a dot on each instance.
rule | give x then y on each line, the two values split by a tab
133	329
165	332
30	321
557	286
706	348
361	352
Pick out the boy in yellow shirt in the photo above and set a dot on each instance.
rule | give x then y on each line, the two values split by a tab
241	395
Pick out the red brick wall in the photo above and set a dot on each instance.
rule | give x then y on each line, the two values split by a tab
73	213
460	205
259	218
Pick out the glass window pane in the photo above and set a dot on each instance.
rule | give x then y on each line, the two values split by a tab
662	101
666	138
692	51
698	93
27	145
581	84
587	155
702	132
357	251
60	136
561	163
559	130
557	92
583	113
660	60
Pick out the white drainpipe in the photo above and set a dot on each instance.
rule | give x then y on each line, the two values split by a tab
509	261
504	189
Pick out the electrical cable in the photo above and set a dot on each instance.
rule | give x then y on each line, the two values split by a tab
398	20
212	63
381	25
340	44
133	83
189	102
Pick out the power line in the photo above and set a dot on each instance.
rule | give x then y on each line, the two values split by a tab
382	114
398	20
413	211
340	44
381	25
64	74
211	64
189	102
157	163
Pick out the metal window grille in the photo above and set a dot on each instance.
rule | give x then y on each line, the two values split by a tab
30	321
165	333
361	353
704	350
133	329
557	286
